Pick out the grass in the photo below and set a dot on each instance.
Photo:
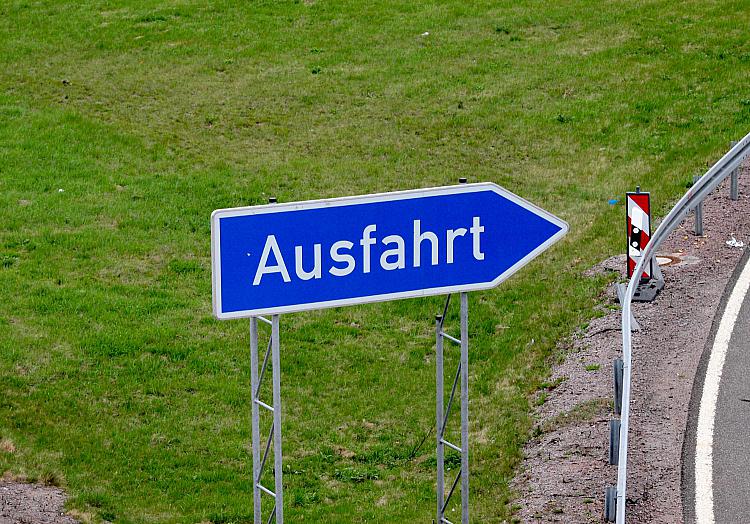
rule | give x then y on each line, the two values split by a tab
124	123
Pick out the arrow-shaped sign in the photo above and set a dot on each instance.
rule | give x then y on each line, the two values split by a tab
280	258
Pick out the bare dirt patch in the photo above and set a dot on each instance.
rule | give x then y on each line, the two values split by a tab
565	469
22	503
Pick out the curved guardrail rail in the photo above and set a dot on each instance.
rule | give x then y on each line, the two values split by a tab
694	197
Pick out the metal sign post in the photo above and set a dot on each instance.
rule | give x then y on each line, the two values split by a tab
256	381
282	258
443	414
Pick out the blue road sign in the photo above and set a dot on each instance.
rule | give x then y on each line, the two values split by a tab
280	258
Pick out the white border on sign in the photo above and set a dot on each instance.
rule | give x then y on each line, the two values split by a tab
366	199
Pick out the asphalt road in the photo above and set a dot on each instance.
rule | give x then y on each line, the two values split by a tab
716	458
731	448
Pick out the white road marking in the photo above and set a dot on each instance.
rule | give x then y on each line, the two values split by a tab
704	493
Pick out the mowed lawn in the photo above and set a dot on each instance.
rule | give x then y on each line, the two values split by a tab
124	123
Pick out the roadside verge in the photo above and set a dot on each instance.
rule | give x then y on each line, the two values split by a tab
566	467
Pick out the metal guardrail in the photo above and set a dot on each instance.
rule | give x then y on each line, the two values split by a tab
726	166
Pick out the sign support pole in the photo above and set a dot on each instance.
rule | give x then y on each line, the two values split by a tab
440	414
259	460
465	408
255	418
278	469
461	379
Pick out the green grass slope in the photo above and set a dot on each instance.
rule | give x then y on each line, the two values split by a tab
124	123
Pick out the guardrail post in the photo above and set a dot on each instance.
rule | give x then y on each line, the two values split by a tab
698	229
614	442
734	190
610	504
618	385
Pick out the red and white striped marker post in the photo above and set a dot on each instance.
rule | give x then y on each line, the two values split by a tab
639	230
